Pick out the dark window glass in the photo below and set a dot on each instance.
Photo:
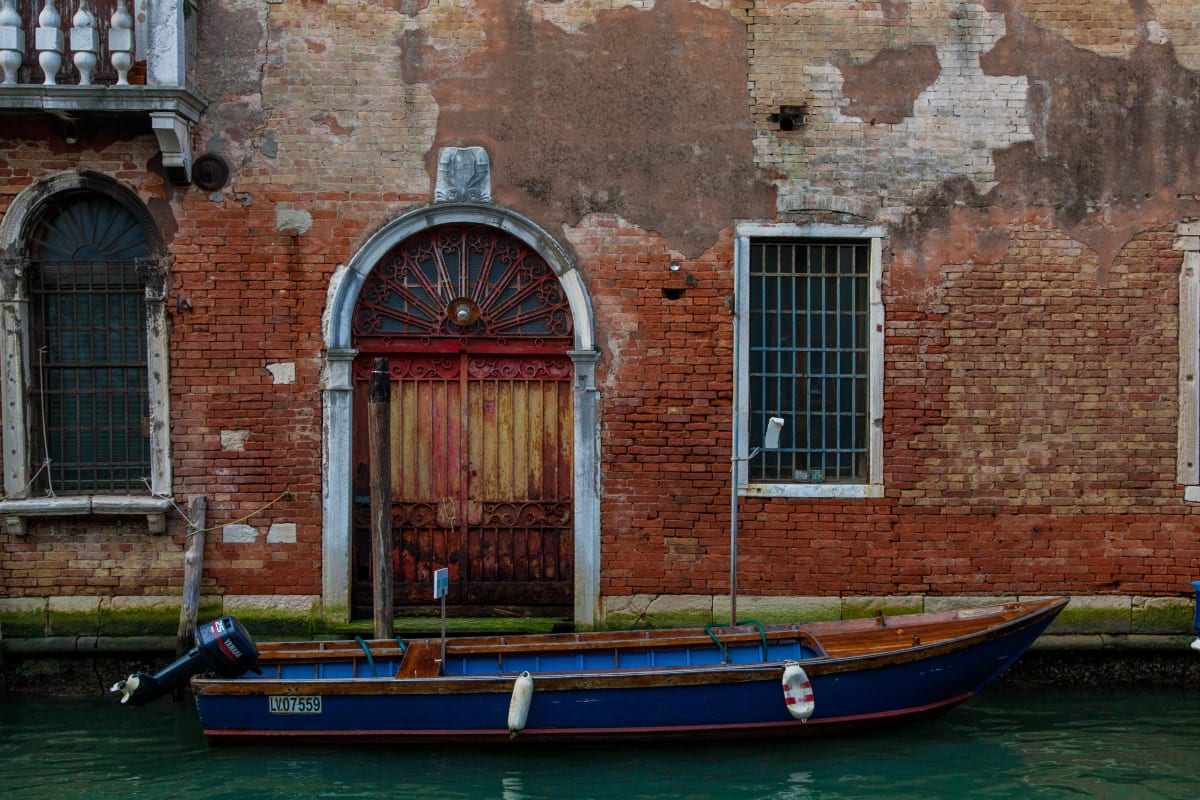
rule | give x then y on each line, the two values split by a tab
89	398
808	358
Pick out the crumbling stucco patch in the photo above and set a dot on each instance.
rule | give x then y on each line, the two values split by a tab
956	122
1121	150
239	534
641	114
348	102
229	73
884	88
282	533
284	373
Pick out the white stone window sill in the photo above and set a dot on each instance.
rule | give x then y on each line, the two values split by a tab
1191	494
15	512
848	491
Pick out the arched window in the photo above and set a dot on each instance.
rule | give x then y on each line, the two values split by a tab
88	377
84	365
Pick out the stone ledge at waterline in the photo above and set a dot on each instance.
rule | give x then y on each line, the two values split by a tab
1089	622
78	624
115	618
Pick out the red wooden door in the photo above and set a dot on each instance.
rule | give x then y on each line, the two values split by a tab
481	423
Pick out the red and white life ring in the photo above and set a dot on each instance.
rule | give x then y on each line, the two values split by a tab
798	692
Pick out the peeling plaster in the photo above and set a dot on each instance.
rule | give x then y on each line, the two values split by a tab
955	125
230	46
1114	151
641	114
885	88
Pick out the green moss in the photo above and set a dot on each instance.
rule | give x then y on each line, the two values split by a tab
866	607
1094	615
75	623
1163	615
23	618
276	624
781	610
151	619
677	618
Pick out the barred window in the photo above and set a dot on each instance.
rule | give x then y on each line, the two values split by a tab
88	360
810	346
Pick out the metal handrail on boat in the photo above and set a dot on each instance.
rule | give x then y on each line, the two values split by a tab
710	628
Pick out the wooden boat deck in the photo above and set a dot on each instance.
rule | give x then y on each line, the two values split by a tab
628	650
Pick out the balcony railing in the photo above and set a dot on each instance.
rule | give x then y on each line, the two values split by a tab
83	42
76	57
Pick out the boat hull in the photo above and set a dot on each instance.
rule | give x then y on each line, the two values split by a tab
705	701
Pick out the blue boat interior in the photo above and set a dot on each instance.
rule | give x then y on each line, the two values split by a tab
509	662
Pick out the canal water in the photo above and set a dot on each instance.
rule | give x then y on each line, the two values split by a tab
1010	743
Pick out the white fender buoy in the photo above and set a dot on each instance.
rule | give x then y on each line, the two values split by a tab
1196	644
518	706
798	692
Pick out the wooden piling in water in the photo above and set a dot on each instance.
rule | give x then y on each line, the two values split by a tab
193	571
379	443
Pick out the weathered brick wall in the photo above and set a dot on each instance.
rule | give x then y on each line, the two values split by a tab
68	558
1029	159
1029	436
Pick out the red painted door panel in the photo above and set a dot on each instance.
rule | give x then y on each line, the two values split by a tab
476	328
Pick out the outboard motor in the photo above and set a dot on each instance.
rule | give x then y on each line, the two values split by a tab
222	646
1196	621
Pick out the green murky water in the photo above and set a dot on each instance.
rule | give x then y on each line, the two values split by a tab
1008	744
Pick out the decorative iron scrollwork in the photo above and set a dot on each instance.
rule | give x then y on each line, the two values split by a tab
526	515
508	291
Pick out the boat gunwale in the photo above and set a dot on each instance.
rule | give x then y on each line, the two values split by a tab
632	677
648	638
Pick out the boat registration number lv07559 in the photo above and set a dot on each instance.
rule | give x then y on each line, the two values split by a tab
294	704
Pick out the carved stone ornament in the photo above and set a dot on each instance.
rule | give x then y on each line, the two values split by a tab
464	176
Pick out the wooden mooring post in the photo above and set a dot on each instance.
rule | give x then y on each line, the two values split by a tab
379	442
193	571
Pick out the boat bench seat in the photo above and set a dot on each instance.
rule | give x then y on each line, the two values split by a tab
423	660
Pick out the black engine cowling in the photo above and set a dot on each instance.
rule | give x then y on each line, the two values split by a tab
222	646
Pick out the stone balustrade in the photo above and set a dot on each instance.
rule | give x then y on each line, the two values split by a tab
84	59
98	35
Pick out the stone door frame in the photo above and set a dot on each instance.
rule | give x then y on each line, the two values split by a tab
337	388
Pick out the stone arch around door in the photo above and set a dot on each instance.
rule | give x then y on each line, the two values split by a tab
338	389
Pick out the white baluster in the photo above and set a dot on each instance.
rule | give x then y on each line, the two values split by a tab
85	42
12	40
49	40
120	42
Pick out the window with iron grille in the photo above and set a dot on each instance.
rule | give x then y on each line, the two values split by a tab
809	351
88	360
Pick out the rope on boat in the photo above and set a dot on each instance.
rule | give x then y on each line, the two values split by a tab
403	646
370	658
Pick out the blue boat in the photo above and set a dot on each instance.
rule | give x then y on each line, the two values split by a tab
748	680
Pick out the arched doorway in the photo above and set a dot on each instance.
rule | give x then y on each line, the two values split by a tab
337	389
477	330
